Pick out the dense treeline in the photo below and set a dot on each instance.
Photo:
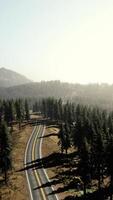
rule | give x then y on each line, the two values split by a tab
91	94
11	112
90	129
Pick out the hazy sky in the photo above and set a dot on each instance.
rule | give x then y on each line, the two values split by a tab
67	40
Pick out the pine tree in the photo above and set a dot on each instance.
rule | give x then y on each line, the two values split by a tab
1	110
60	109
19	111
5	149
85	164
6	111
109	152
27	115
64	137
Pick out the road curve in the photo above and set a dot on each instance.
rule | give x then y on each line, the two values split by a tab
36	177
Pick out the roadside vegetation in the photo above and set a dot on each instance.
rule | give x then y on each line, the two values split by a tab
11	113
87	130
90	131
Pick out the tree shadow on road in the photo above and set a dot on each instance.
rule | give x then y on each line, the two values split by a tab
68	176
49	135
53	160
58	161
48	184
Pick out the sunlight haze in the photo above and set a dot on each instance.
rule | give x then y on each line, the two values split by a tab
67	40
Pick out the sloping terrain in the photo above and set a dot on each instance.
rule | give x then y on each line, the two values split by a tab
14	85
38	90
10	78
17	189
91	94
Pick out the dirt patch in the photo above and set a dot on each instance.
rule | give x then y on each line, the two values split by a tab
63	170
51	151
17	187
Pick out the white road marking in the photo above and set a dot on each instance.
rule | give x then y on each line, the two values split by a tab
40	150
25	162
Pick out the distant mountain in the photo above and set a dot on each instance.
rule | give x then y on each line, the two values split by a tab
10	78
14	85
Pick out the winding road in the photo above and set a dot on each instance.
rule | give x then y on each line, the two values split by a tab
37	177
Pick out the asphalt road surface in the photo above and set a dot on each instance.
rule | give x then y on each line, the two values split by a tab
37	176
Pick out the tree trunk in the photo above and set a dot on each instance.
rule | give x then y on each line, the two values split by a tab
62	149
84	189
99	181
111	196
19	125
5	176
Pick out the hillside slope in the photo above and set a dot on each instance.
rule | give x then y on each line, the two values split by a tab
38	90
93	94
10	78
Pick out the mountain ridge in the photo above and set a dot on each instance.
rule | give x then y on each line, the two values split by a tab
90	94
10	78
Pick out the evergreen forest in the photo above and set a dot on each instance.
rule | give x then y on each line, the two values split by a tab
86	129
11	112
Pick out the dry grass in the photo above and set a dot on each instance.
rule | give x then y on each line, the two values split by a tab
50	146
17	187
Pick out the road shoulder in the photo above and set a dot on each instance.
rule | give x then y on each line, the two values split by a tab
17	185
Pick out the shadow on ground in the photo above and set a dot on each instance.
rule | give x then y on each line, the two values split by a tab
68	176
49	135
58	160
53	160
102	194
